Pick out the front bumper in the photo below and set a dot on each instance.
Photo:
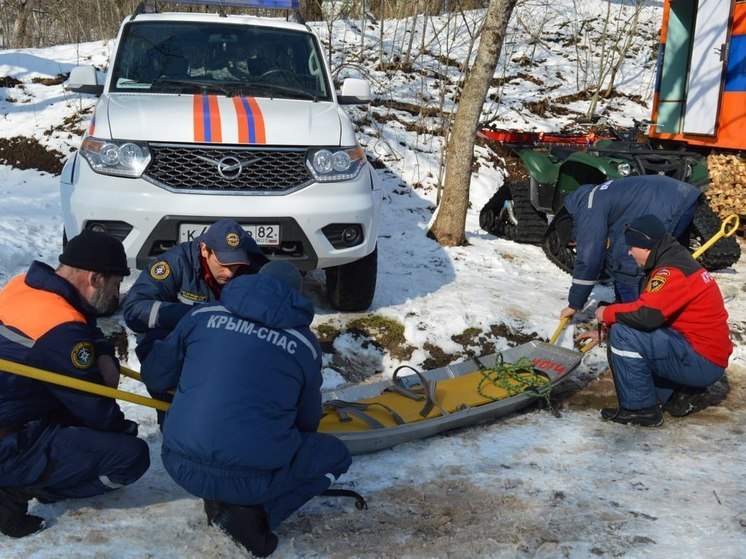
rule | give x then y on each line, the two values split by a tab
148	216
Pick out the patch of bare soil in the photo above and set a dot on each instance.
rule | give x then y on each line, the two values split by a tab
454	517
27	153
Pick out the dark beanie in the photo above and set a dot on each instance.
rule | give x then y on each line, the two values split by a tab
96	252
644	232
285	271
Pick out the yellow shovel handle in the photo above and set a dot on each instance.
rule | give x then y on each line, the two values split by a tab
729	226
130	373
561	326
79	384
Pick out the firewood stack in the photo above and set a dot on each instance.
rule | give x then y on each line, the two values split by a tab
727	190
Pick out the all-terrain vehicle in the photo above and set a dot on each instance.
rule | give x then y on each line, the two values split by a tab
557	165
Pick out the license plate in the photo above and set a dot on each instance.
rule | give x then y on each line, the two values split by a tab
264	234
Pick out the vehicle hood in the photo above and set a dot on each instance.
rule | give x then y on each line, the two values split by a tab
220	120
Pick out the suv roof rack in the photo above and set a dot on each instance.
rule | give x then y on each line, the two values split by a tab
150	6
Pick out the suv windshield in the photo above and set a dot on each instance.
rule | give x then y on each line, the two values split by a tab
185	57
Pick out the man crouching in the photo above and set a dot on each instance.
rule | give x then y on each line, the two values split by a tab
57	443
242	430
672	344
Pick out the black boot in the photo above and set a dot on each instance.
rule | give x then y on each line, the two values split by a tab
14	520
647	417
212	508
247	525
687	399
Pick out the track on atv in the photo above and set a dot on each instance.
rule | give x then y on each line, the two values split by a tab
496	218
531	227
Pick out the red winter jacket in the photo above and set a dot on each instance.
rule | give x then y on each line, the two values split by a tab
682	295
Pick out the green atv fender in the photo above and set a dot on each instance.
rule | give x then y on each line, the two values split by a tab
586	168
539	166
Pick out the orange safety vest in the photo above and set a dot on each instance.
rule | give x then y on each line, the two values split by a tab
34	311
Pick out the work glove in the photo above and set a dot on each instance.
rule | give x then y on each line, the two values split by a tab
130	428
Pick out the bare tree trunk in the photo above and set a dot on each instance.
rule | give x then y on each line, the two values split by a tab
450	222
310	10
22	34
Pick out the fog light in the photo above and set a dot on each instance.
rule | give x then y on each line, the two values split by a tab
97	227
351	235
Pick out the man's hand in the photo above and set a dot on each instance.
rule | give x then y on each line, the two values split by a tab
589	339
600	314
109	370
587	336
567	312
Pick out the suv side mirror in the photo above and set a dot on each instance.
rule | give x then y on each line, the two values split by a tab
355	92
83	79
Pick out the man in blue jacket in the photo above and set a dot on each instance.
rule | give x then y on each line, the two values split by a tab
599	214
55	442
188	274
241	432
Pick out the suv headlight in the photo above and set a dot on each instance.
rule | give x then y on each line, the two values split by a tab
341	164
115	157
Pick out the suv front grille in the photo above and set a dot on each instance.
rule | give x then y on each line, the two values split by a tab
198	168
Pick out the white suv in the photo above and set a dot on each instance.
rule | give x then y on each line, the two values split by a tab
208	116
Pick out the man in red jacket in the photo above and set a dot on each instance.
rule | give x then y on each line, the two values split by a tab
672	344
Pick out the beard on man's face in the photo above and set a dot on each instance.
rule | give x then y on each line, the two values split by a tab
102	304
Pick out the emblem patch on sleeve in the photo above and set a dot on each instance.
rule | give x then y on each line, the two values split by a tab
83	355
232	240
658	280
160	270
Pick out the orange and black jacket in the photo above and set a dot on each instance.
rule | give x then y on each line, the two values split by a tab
682	295
44	324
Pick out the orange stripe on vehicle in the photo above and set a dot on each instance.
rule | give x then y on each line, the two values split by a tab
258	122
198	119
250	121
216	134
206	119
243	120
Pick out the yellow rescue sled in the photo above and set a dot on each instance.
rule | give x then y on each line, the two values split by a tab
408	407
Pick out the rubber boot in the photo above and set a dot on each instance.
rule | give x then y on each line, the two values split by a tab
14	520
246	525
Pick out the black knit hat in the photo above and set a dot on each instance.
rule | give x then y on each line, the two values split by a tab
96	252
644	232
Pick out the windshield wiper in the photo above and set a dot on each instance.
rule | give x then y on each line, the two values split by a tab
289	92
181	85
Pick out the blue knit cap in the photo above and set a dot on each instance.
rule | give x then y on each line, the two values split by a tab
644	232
284	271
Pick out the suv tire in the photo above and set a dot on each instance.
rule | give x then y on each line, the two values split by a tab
351	287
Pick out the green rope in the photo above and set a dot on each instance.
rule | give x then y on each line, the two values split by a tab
515	378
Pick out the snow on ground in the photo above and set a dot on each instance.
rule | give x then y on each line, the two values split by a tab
529	485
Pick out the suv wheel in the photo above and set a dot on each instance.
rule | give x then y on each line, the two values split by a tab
351	287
